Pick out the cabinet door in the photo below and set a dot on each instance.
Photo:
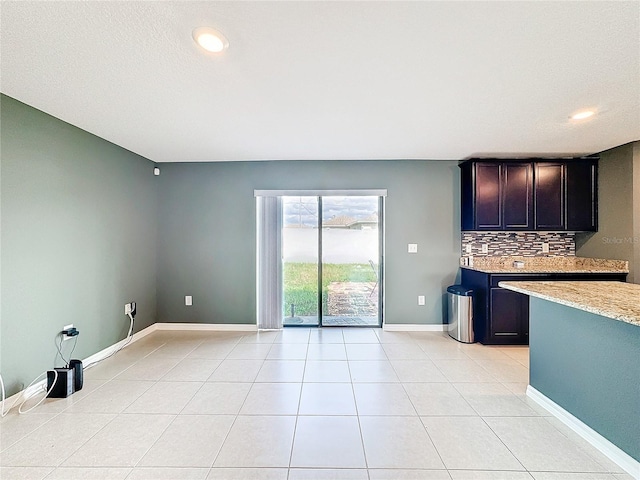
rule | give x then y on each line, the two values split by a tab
549	196
467	192
581	181
517	196
508	316
488	195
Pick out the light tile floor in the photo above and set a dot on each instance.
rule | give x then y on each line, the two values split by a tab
300	404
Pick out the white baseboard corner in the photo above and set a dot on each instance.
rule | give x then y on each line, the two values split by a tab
104	353
227	327
41	386
608	449
413	327
169	326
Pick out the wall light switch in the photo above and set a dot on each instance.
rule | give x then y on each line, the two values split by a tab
545	247
420	299
188	300
485	248
412	248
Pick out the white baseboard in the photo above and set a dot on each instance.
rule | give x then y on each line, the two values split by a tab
614	453
220	327
41	386
104	353
413	327
172	327
12	401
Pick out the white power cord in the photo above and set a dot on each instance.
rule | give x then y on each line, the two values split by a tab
129	335
128	339
4	413
53	384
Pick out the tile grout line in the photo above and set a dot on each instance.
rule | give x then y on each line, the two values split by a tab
498	380
236	343
175	416
295	425
355	404
56	415
156	441
581	448
404	388
505	445
199	389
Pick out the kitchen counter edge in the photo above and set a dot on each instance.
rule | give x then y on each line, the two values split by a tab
510	270
615	300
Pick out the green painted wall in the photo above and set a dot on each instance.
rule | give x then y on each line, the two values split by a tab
83	221
79	231
588	364
207	239
618	235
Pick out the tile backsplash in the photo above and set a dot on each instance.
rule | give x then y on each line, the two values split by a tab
525	244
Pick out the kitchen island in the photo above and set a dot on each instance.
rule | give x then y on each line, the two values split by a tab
585	360
501	316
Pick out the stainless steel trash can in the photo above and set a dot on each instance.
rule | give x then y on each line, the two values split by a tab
460	313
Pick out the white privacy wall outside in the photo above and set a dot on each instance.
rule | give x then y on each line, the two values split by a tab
338	246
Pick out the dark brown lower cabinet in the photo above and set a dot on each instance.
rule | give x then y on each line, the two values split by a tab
500	316
509	316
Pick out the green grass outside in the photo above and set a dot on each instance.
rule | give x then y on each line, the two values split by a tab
301	283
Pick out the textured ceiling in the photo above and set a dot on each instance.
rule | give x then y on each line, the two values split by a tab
331	80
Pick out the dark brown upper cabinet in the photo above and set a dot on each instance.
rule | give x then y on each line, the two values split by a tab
517	196
529	195
497	195
489	184
582	195
549	196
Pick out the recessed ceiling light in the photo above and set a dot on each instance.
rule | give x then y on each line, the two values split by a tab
209	39
582	115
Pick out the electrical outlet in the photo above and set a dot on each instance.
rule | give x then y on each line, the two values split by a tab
485	248
412	248
66	337
468	248
130	309
421	300
545	247
188	300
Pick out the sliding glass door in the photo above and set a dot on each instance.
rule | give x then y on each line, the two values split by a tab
331	260
300	261
350	261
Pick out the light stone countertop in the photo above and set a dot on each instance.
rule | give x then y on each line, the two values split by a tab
616	300
570	264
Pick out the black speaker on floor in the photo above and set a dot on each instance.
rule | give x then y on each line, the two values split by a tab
76	365
60	385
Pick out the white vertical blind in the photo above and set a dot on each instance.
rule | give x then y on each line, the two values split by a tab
269	271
